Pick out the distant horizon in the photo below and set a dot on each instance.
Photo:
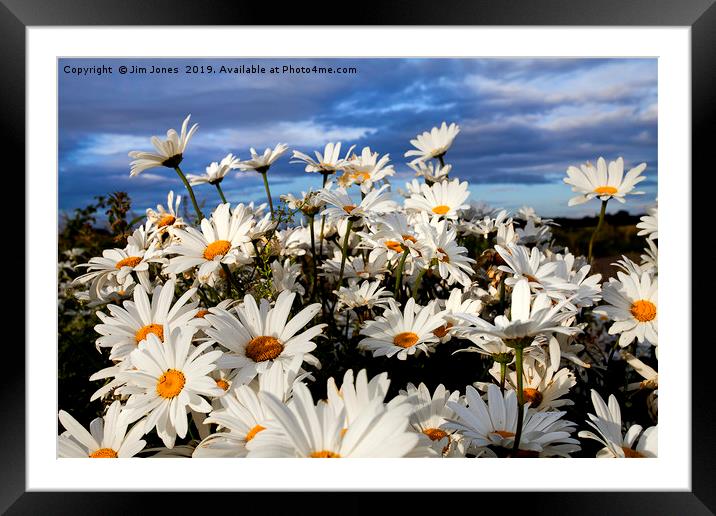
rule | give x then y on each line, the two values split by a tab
523	122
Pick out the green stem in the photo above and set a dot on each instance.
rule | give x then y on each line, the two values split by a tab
520	398
313	253
418	281
441	159
345	251
502	294
221	192
399	274
268	191
599	226
323	221
199	214
229	280
503	371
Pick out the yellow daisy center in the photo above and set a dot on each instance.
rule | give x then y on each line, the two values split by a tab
504	433
201	313
260	349
218	248
103	453
394	246
531	278
605	190
129	261
435	434
441	210
406	339
223	384
349	208
325	454
409	238
255	430
442	331
533	396
360	176
632	454
156	329
444	257
166	220
170	383
643	310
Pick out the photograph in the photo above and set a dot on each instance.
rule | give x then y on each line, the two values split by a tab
358	257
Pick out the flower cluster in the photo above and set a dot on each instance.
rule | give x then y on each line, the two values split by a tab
241	332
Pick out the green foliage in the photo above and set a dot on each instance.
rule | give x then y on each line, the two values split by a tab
79	239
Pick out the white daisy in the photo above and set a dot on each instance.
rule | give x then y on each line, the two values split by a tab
215	172
632	305
442	199
368	295
433	144
308	430
489	223
430	413
451	259
261	162
455	305
257	336
650	258
339	204
528	213
603	182
169	152
649	224
221	241
542	275
534	234
528	318
366	169
357	395
356	268
309	202
651	377
430	171
243	415
544	384
393	234
116	267
608	424
164	220
125	328
168	379
286	277
107	439
326	163
494	424
402	333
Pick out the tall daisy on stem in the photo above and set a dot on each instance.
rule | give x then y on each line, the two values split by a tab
170	153
528	319
341	206
215	174
603	182
326	164
262	163
433	144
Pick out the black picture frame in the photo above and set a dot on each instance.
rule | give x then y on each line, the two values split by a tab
700	15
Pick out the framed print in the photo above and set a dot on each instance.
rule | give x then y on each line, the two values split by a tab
412	240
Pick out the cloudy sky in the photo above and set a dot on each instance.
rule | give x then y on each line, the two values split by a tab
523	122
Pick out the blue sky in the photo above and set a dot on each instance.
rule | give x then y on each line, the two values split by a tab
523	122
